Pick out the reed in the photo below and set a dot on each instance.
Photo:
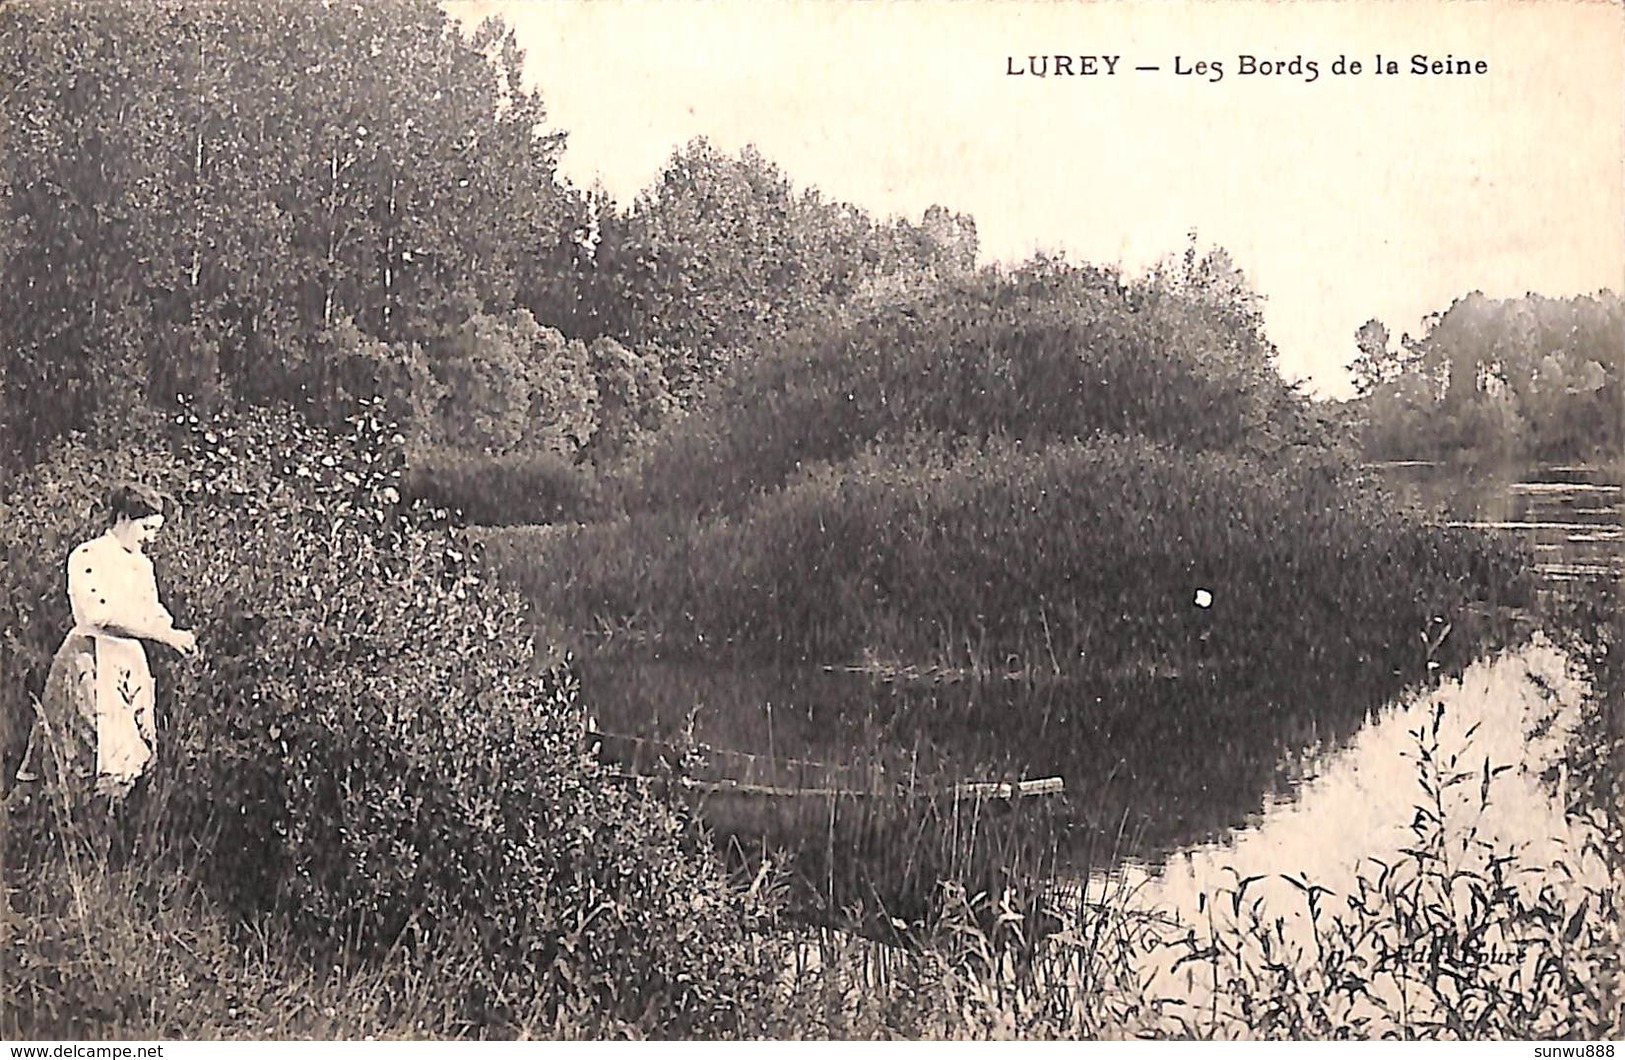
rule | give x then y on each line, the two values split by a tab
1443	939
1078	561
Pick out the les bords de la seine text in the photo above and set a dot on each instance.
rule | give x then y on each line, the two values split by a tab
1296	67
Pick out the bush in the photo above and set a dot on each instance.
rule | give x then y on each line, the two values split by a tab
520	489
1589	623
1049	352
365	751
1073	560
633	396
503	384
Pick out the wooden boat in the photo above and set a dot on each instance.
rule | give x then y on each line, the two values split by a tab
749	794
861	848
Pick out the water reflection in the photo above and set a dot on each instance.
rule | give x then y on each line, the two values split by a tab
1571	516
1361	805
1356	802
1149	765
1168	779
1360	800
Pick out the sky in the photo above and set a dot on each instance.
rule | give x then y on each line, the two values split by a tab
1345	197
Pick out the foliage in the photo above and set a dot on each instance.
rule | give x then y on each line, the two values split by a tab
197	192
1378	362
260	202
1590	624
365	752
1455	938
721	258
991	559
1049	352
504	491
633	397
735	256
1510	379
506	384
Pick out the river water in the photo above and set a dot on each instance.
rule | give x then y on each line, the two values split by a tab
1242	785
1355	804
1571	516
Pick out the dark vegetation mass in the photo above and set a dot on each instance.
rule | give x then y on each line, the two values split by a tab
1031	471
311	268
367	756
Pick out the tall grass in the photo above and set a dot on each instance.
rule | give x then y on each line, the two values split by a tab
1079	559
864	845
1455	935
539	487
876	864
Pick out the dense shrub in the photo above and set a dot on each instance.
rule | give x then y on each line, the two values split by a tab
1048	352
364	749
524	488
1074	559
1403	422
504	384
633	395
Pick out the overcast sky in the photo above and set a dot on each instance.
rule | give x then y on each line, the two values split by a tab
1343	198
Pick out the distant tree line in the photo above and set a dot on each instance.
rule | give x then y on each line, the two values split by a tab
1497	379
315	202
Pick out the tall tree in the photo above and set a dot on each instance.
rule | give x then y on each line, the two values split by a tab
1377	362
722	255
198	194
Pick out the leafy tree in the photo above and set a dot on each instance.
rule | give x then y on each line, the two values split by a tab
725	258
81	173
1377	362
197	194
505	382
722	256
1203	309
1531	376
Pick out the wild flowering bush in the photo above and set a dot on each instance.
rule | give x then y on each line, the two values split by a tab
364	750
